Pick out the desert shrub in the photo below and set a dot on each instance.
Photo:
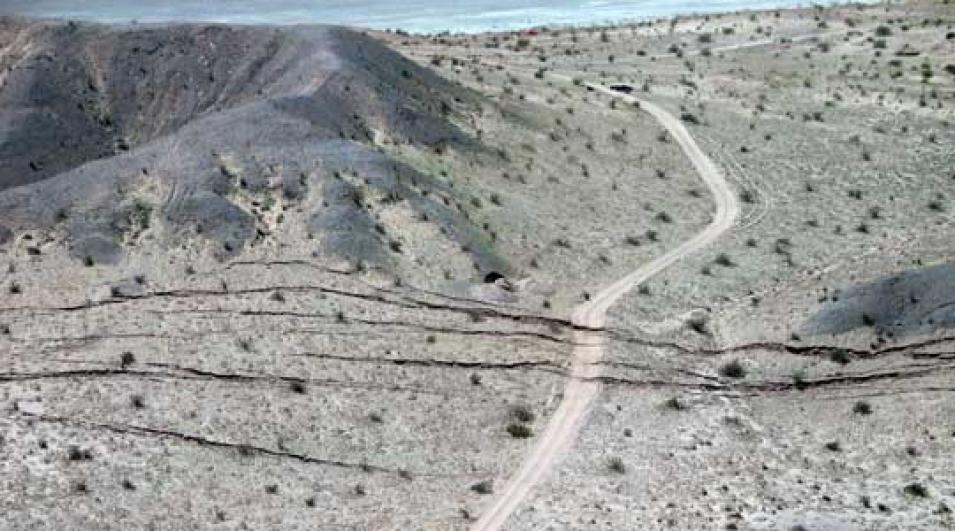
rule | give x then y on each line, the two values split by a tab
15	288
724	260
690	118
917	490
137	401
840	356
883	31
483	487
697	323
522	414
664	217
799	379
616	465
833	446
675	404
519	431
298	386
862	408
127	359
75	453
733	369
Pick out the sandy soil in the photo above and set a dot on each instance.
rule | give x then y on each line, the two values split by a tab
341	282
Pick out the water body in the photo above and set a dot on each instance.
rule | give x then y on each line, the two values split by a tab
426	16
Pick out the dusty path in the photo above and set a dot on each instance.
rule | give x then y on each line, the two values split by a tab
582	389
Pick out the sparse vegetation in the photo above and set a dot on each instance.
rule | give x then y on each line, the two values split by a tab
519	431
616	465
733	369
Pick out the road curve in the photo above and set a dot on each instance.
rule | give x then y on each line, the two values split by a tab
564	425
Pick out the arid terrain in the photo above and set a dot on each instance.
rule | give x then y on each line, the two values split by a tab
694	273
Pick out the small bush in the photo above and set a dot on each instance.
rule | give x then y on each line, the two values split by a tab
840	356
519	431
862	408
733	369
698	325
127	359
75	453
522	414
615	464
724	260
675	404
138	401
690	118
483	487
833	446
916	489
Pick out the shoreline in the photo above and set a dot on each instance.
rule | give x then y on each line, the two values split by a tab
411	28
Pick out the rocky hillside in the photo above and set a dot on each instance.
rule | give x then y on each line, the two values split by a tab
212	132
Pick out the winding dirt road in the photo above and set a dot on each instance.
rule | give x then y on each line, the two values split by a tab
582	389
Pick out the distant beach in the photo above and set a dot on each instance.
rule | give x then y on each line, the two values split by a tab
422	16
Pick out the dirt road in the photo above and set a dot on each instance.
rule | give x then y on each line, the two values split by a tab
582	389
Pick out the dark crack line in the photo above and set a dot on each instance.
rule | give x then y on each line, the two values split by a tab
799	350
409	304
193	374
241	449
546	366
353	272
785	386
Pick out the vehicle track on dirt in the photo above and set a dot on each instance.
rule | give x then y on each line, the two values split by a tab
583	387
